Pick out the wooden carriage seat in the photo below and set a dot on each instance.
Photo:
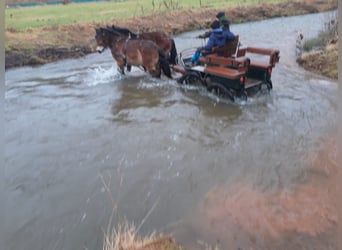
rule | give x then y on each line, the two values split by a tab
228	67
271	56
229	49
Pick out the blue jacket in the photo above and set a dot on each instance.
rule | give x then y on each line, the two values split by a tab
216	39
229	36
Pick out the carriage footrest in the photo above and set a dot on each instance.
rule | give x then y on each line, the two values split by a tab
252	82
224	72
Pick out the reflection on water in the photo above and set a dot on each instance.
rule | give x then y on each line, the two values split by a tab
175	159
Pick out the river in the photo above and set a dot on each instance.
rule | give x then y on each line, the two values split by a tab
81	140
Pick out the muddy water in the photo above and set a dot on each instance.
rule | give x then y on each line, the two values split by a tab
82	140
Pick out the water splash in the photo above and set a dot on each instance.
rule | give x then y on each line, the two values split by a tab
100	75
151	83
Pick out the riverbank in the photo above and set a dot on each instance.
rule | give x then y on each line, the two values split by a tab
43	45
323	61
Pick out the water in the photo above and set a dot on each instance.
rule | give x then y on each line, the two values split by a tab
81	139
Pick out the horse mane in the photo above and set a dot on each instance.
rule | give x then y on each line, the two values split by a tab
124	31
111	31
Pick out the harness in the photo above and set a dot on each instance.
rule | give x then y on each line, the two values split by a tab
123	54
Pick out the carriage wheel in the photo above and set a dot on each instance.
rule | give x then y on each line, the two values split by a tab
269	84
191	78
221	91
266	85
243	95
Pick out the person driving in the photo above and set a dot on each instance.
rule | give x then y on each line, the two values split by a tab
216	39
224	24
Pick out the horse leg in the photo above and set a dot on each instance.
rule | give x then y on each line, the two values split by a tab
154	70
173	53
128	67
121	67
158	70
164	64
121	64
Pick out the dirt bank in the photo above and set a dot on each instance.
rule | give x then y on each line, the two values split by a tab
324	62
43	45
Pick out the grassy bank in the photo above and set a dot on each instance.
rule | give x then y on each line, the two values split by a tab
28	45
44	16
321	53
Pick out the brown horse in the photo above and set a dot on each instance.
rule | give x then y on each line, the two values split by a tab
164	42
133	52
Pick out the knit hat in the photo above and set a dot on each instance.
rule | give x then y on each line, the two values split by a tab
220	14
225	23
215	25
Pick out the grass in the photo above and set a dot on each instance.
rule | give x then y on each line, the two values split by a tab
50	15
125	237
325	36
313	44
322	51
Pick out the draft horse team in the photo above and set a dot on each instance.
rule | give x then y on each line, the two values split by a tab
154	51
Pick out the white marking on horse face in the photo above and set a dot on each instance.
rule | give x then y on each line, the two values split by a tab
99	49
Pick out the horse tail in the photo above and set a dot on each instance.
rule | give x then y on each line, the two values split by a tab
164	64
173	53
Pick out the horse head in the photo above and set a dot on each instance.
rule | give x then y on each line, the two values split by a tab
104	38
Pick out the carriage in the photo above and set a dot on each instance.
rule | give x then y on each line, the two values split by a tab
230	71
